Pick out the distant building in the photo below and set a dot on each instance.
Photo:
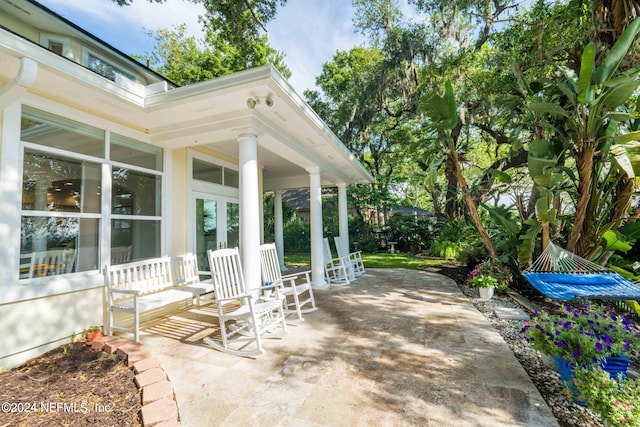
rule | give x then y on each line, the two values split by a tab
417	213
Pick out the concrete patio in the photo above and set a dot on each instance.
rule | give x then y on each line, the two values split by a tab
395	348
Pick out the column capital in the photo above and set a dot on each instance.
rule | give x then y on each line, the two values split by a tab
341	185
314	170
247	133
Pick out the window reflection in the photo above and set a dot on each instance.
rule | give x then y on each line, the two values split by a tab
215	174
58	184
62	197
57	245
136	193
106	69
50	130
136	153
140	239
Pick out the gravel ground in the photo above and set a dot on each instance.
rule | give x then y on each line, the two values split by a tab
542	372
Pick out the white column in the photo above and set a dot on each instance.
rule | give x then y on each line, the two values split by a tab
249	210
278	227
317	251
343	216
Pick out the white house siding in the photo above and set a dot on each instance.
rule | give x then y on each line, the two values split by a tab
32	327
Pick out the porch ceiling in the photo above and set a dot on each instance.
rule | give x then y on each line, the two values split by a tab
291	137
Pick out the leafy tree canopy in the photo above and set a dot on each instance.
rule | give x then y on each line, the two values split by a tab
185	60
234	20
235	40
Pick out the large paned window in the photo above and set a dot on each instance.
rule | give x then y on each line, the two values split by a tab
65	197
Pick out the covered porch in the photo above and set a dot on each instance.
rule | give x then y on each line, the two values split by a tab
256	122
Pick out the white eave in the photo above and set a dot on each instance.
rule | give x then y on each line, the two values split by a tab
291	136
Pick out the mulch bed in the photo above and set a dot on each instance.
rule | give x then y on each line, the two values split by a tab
72	385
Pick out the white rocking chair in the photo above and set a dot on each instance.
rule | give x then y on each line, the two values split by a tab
354	258
336	270
271	274
255	316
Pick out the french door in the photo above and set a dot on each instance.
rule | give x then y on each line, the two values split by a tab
217	224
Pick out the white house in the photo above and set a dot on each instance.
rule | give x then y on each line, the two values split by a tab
103	161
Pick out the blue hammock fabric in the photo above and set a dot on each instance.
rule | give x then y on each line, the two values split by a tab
571	286
563	275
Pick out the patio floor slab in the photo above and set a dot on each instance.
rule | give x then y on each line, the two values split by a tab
394	348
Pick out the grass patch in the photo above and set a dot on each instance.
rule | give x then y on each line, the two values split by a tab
378	260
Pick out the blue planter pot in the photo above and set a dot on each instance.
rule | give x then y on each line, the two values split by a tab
614	365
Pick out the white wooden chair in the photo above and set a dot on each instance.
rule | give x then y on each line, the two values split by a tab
271	274
254	316
336	270
355	258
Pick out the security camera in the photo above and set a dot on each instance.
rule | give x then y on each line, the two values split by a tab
269	101
251	103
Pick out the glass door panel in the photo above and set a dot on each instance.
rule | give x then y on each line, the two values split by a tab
206	228
217	225
233	225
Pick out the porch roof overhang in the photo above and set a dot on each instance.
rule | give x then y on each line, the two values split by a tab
292	139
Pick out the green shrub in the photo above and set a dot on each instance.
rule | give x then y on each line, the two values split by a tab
617	401
447	249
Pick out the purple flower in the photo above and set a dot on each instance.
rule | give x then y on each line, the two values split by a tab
576	352
599	347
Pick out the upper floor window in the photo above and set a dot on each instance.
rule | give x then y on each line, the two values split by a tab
105	68
55	43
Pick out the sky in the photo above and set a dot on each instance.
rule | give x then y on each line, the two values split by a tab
309	32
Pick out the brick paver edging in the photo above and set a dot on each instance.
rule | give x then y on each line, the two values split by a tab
159	407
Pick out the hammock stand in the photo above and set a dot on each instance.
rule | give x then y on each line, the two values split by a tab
562	275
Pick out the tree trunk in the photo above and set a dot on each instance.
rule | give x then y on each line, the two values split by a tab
471	206
584	164
451	195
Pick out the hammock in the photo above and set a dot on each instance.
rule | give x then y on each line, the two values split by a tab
562	275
